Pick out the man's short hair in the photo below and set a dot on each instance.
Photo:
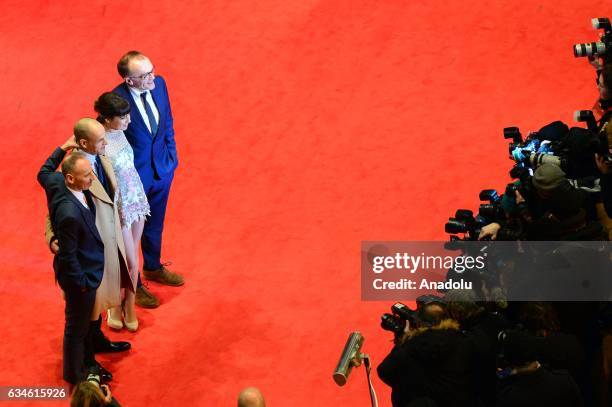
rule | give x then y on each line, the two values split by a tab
463	304
80	131
70	162
432	313
124	61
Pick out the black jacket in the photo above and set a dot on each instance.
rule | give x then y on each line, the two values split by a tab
79	264
542	388
482	332
435	363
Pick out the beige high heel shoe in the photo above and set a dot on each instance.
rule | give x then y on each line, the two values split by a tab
131	326
113	323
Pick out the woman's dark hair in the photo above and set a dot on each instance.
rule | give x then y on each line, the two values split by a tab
86	394
110	105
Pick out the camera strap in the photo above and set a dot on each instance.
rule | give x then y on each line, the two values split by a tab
368	369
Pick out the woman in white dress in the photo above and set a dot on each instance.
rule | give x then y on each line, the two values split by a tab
130	198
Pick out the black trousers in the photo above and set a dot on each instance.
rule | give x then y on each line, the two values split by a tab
78	349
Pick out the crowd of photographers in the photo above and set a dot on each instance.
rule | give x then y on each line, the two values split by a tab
462	351
474	348
562	188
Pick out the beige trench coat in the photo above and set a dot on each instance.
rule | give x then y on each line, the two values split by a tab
108	294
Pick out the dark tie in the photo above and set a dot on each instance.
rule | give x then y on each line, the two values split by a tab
150	114
102	176
90	201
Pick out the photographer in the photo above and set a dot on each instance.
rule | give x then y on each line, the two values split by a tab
556	211
527	383
556	350
91	393
431	361
481	329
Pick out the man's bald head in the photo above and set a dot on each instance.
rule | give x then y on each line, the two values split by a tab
89	134
251	397
83	128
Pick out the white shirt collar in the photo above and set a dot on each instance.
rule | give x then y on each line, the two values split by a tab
137	92
80	196
92	160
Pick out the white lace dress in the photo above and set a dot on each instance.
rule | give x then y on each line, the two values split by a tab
130	196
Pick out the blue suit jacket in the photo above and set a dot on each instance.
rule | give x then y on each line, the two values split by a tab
79	263
154	154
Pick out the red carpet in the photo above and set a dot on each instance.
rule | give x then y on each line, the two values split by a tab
303	128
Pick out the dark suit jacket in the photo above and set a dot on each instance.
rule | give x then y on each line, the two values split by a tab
79	263
154	154
435	364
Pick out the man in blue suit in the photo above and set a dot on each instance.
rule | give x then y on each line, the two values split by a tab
151	135
79	263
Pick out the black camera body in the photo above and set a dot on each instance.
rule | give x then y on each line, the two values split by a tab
571	149
539	147
401	314
464	222
492	211
95	376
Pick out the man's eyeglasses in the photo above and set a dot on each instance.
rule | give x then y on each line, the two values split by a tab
142	77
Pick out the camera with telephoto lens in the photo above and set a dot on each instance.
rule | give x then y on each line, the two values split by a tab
601	48
402	314
465	223
570	149
537	148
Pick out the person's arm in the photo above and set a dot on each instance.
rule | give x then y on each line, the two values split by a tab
50	165
392	367
489	231
54	161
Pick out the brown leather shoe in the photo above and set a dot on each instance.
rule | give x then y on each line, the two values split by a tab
145	298
163	276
